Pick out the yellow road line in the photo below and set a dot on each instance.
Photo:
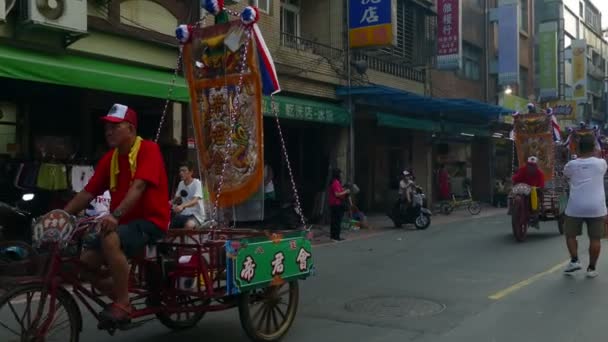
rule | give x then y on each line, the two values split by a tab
503	293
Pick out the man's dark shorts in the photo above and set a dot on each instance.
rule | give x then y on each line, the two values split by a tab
133	236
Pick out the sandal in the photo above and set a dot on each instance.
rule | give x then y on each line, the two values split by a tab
116	313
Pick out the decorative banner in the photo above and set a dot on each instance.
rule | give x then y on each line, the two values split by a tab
213	73
579	69
547	44
534	137
259	262
449	27
508	44
372	23
563	110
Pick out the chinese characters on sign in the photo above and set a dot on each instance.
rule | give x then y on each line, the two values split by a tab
371	23
302	259
301	111
248	271
277	264
448	34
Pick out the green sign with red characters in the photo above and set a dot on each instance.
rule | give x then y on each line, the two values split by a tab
262	262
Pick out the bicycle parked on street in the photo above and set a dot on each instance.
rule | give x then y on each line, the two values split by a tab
474	207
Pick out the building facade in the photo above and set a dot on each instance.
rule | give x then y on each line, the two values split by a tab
63	67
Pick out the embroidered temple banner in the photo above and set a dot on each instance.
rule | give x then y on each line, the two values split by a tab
533	137
213	72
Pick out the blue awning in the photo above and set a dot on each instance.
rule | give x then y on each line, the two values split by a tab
403	102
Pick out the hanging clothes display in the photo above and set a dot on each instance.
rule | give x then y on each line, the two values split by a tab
52	177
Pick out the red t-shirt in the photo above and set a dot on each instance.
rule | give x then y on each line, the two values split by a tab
334	188
153	205
536	179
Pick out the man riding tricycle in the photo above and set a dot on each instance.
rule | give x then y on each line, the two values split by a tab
137	268
535	195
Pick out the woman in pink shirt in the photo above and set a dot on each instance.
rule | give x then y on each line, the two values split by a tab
337	196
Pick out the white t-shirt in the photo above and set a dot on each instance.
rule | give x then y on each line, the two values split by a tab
194	189
586	178
80	176
101	205
270	186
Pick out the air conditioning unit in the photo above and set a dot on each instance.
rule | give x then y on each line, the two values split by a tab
65	15
5	7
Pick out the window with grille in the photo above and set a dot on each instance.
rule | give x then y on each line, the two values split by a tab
415	41
471	62
262	5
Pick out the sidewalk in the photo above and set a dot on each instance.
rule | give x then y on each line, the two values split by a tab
380	223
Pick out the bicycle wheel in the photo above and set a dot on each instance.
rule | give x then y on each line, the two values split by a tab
26	312
183	320
267	314
474	208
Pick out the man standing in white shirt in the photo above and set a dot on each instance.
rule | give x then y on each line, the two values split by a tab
586	203
190	212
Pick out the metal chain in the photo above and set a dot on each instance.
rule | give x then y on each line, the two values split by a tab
286	157
233	111
172	85
171	89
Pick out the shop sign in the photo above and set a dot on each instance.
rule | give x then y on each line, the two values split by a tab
563	110
372	23
297	109
449	28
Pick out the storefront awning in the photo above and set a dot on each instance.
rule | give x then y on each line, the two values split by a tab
84	72
307	110
403	102
396	121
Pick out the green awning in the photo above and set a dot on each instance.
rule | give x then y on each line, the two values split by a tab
458	128
84	72
307	110
396	121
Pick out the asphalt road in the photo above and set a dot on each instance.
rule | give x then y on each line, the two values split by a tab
466	281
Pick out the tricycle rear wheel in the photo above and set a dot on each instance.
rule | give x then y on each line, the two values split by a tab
182	320
267	314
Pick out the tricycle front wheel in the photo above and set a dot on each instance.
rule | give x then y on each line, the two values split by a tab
29	313
267	314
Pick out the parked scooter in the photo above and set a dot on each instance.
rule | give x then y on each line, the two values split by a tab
417	214
16	221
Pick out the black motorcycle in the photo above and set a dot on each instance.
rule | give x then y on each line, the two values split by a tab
417	214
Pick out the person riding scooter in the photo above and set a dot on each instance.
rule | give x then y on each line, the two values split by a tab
410	206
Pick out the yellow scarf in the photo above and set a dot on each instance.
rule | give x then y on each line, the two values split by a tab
534	198
114	169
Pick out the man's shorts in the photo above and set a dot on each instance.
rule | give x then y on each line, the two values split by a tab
179	221
573	226
133	236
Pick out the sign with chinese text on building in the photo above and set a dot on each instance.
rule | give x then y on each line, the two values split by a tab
306	110
563	110
579	70
547	51
449	42
508	44
371	23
